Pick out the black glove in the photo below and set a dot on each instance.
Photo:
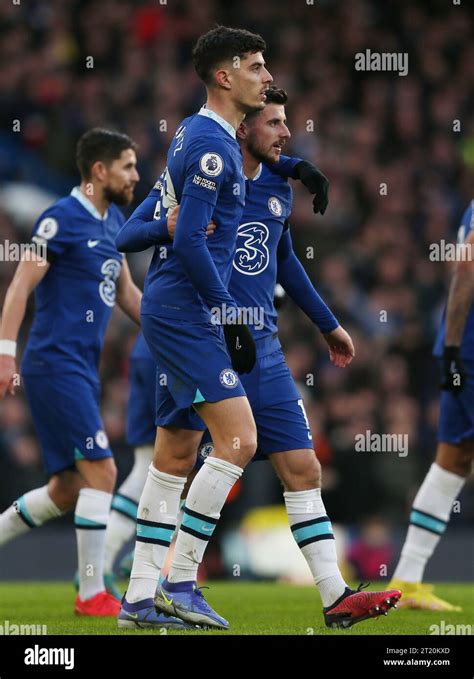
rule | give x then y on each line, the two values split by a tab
241	346
279	297
315	182
453	377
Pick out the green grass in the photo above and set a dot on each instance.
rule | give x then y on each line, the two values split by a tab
251	608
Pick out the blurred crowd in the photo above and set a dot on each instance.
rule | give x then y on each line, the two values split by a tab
400	168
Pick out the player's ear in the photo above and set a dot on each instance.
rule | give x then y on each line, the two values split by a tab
99	170
221	79
242	131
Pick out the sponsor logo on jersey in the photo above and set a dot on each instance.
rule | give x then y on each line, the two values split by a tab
111	271
211	164
205	183
252	255
47	228
274	206
228	378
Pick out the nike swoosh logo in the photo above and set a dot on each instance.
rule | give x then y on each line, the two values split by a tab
92	243
237	344
132	615
207	529
168	602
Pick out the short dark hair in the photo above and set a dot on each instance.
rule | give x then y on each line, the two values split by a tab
100	144
274	95
221	44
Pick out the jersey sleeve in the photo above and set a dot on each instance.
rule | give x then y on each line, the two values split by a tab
190	247
206	166
285	167
296	282
145	227
52	232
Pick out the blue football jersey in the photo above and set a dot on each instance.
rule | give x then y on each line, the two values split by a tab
467	344
254	272
76	297
204	162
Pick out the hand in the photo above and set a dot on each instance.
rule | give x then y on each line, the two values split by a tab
8	371
315	182
341	349
453	376
241	346
172	218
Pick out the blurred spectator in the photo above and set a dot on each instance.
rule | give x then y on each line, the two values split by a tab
372	552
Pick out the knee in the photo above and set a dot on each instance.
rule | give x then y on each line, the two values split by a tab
303	476
246	446
185	465
180	462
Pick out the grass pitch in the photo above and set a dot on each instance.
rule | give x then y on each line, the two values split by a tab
251	608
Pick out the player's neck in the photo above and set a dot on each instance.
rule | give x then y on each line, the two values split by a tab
96	197
225	109
250	164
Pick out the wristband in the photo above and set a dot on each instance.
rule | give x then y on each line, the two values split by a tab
8	347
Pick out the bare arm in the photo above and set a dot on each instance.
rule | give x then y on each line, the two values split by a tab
129	296
26	278
461	296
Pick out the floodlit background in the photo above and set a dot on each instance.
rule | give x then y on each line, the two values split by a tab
364	129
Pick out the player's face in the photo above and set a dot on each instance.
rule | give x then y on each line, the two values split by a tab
121	178
250	79
267	133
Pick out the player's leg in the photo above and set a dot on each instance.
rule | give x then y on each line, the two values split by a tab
40	505
429	518
123	515
284	435
174	458
300	473
126	564
232	427
434	501
34	508
91	519
199	374
96	466
141	432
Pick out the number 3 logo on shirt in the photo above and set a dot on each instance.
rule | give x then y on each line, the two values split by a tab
111	271
251	255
